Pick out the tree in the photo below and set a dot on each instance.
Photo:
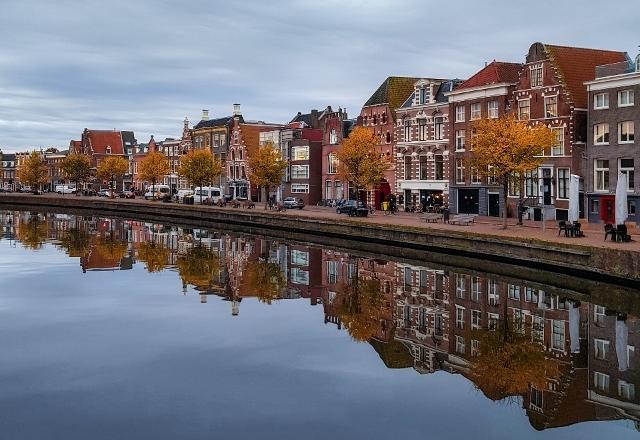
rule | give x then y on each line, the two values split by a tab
111	249
198	267
200	167
154	255
112	168
33	233
33	171
266	167
360	162
77	167
505	149
153	167
76	242
360	308
264	279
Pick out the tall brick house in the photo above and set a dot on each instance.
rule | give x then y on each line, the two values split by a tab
99	144
379	115
8	171
422	148
486	94
614	113
551	91
335	126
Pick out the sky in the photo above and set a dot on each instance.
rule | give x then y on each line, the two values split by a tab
145	65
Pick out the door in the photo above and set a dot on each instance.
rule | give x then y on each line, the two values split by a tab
494	205
546	186
468	201
608	209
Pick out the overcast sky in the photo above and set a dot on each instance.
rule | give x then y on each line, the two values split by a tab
144	65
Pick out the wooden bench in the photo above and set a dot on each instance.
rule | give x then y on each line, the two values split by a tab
462	219
432	217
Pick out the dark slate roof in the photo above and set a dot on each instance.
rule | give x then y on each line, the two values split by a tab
347	126
300	117
8	157
446	87
128	138
393	91
218	122
409	102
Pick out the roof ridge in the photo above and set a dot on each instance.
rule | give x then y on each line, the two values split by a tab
581	48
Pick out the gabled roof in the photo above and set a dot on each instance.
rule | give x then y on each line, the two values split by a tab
99	140
576	65
495	72
393	92
9	157
219	122
303	117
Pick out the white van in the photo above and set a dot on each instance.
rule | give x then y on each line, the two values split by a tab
207	194
160	192
65	189
182	193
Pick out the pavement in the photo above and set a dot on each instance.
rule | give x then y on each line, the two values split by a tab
548	232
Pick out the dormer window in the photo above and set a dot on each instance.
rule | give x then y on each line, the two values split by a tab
424	95
108	149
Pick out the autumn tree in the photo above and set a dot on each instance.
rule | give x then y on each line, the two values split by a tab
111	169
154	255
266	167
77	168
76	242
200	167
33	233
360	308
199	266
111	249
153	168
360	162
505	149
263	279
33	171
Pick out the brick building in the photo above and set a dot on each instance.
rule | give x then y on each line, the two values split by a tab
612	148
422	149
8	171
335	126
379	115
486	94
99	144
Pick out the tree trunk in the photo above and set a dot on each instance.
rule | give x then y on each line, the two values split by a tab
505	191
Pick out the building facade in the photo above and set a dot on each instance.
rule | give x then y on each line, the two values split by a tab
335	126
8	171
612	149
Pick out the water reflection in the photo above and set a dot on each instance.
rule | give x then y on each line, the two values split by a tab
564	360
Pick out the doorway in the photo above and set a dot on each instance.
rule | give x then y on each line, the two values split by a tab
494	205
468	201
546	186
608	209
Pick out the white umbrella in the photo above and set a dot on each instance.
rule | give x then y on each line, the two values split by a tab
621	199
622	340
574	198
574	327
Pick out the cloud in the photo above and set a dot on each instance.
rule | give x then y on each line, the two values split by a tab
145	65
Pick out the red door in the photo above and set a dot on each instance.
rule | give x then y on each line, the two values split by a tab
608	209
381	193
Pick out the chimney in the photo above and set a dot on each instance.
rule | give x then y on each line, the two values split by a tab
236	110
205	114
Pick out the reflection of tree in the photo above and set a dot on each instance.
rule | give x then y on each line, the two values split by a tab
198	267
33	233
111	249
508	361
154	255
76	242
264	280
360	308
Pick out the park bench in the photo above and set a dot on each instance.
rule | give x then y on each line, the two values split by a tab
432	217
462	219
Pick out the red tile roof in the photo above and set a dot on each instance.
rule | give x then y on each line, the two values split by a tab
494	73
575	65
99	140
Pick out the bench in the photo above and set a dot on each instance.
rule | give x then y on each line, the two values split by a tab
462	219
432	217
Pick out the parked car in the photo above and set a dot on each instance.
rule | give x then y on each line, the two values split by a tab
293	202
127	195
26	189
207	194
180	195
65	189
104	193
157	192
354	208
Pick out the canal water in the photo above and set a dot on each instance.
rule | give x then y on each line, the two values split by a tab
123	329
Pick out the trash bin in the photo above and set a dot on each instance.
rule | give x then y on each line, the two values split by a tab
445	215
385	206
187	200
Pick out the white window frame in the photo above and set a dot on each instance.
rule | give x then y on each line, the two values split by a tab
601	101
536	80
300	152
460	139
557	337
558	148
601	131
476	319
460	171
597	170
333	163
299	276
522	107
333	136
460	317
476	111
599	313
600	349
601	381
300	188
629	171
460	113
492	109
300	172
547	103
629	100
460	345
566	182
626	390
514	292
628	127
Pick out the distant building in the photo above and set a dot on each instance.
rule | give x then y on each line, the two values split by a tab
335	126
8	171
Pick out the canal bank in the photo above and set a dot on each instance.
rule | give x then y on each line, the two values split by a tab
622	264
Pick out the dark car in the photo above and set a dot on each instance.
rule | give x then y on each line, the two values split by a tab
293	202
354	208
127	195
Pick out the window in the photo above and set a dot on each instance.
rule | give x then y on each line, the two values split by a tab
460	113
626	390
300	188
625	132
300	153
475	175
476	111
530	295
332	272
531	183
492	176
601	348
551	106
601	134
558	148
299	171
626	166
492	321
407	130
299	258
600	101
459	171
299	276
514	292
537	329
476	289
439	167
601	381
333	136
536	75
407	167
460	317
333	163
439	127
524	109
563	183
424	168
460	348
339	190
492	109
557	335
408	277
388	138
631	207
599	312
536	399
601	170
424	95
375	119
422	129
475	319
460	140
475	347
461	285
518	320
424	278
625	98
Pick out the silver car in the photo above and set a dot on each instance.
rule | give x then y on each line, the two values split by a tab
293	202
